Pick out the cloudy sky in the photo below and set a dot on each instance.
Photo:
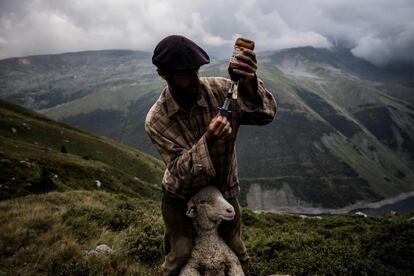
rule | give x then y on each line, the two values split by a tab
380	31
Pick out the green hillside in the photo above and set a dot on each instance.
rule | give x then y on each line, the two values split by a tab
47	234
49	224
40	155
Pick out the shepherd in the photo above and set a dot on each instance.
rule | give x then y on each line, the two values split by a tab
196	139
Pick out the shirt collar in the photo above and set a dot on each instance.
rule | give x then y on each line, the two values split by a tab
173	106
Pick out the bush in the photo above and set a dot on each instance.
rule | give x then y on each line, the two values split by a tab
144	242
44	183
68	261
335	245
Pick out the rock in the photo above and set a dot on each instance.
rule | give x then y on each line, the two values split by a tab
308	217
27	163
361	214
98	183
103	248
393	213
100	249
13	130
88	252
26	126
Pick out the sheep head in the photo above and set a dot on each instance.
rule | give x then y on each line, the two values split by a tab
208	208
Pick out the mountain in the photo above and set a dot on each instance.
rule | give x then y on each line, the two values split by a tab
48	80
54	213
39	155
343	135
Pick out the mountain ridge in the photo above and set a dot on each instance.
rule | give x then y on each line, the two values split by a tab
339	137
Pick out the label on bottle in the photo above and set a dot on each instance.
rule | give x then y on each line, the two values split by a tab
233	60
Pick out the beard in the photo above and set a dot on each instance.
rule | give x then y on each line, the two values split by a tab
185	96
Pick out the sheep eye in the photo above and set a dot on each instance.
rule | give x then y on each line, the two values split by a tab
202	201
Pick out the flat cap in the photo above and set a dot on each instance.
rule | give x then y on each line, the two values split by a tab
178	53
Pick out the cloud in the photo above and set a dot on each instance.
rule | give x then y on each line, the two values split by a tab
380	51
380	31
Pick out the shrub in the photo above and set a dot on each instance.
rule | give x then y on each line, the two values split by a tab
68	261
144	242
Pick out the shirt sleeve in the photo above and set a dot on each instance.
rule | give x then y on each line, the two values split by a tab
258	111
183	163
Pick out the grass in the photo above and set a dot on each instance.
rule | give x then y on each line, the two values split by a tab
45	234
40	155
335	245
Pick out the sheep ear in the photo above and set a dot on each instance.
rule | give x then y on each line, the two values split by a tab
191	212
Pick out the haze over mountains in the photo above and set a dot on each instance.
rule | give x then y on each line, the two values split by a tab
344	131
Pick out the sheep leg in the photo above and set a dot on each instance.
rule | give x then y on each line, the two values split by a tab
234	267
235	270
189	270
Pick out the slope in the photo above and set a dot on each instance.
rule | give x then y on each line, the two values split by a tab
40	155
343	134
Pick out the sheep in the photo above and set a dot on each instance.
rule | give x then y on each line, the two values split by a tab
210	254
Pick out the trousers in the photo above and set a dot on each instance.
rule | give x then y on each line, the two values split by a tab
178	234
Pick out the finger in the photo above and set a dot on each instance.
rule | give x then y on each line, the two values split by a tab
248	60
214	123
222	123
241	64
229	131
250	53
244	73
221	120
218	118
225	129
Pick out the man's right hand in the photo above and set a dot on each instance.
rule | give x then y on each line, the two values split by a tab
219	128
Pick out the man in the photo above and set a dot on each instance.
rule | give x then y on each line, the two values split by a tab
196	142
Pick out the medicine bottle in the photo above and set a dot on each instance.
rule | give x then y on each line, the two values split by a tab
238	46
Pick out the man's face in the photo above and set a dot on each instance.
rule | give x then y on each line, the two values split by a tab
184	85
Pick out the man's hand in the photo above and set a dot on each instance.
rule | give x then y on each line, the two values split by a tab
246	67
219	128
246	64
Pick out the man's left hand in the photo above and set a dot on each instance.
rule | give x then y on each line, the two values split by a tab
247	64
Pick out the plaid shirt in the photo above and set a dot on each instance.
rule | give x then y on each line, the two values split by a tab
179	136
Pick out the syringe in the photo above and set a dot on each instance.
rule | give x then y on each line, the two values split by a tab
225	108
